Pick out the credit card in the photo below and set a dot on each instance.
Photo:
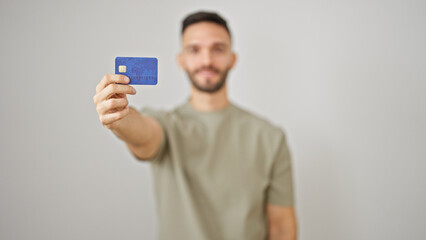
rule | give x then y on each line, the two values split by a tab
140	70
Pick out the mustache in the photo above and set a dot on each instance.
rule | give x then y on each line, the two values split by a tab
209	68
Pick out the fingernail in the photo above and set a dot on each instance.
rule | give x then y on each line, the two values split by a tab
134	90
126	79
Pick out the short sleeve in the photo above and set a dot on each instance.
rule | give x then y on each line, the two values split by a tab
160	117
280	189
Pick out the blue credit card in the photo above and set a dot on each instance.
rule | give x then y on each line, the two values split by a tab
140	70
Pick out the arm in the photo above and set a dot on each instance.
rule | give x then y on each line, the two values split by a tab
281	222
142	134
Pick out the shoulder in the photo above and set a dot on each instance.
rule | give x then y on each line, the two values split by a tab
263	127
158	114
270	139
161	114
247	117
152	111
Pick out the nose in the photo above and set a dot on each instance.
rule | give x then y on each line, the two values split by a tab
206	58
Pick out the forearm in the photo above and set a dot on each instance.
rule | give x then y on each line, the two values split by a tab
134	129
142	134
283	234
282	224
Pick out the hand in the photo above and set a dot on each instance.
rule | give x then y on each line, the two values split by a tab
111	99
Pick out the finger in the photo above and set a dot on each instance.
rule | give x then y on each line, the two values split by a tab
111	78
113	90
118	95
107	119
111	104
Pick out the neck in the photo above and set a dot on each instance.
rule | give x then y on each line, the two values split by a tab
209	102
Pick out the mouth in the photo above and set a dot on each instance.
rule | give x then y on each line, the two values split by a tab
207	73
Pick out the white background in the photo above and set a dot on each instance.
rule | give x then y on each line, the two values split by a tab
345	80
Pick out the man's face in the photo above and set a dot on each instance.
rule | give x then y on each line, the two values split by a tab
206	55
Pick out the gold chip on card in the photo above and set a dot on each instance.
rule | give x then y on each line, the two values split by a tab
122	68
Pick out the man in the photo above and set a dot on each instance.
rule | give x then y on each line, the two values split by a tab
220	172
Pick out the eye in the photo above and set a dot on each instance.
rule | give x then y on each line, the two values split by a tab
219	49
192	50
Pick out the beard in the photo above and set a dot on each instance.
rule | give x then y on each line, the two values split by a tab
209	87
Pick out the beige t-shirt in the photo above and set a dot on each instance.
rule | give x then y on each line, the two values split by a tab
215	172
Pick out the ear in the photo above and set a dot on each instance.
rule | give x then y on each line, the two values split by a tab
179	59
234	59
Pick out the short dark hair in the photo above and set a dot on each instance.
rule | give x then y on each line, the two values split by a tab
202	16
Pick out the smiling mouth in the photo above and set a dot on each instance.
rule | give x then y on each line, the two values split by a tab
207	73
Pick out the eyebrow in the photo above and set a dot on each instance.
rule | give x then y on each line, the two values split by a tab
220	45
214	45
